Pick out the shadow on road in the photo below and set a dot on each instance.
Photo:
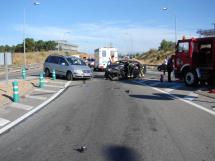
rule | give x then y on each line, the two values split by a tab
7	96
156	96
120	153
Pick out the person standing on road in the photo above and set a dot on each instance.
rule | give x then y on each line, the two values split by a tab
170	67
165	65
110	62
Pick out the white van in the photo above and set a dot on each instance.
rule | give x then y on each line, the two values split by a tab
103	56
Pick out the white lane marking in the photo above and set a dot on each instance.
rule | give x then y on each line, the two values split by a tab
3	122
21	106
54	86
36	97
26	115
191	96
44	90
181	99
173	87
57	82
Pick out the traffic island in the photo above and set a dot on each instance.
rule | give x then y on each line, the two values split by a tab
6	90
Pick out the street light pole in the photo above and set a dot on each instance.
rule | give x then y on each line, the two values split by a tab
62	40
24	17
24	32
175	30
175	25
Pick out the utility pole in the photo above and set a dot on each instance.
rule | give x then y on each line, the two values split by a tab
6	69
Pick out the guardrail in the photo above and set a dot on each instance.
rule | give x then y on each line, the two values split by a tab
12	68
151	67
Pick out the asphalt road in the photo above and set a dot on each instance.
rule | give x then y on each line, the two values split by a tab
116	121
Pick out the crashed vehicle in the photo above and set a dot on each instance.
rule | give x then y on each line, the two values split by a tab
123	69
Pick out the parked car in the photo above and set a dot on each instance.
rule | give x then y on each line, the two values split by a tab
123	69
69	66
161	67
91	63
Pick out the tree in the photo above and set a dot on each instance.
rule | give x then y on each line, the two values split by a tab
19	48
166	45
30	44
40	45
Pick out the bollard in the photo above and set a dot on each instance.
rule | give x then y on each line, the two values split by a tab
23	73
41	80
53	75
15	91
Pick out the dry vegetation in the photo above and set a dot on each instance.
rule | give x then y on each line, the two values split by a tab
39	57
154	57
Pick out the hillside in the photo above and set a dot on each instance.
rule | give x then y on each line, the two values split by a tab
155	57
39	57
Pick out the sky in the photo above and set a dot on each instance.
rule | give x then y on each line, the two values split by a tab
129	25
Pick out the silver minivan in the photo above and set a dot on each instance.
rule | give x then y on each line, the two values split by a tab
69	66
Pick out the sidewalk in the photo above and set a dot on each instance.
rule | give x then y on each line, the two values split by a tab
32	99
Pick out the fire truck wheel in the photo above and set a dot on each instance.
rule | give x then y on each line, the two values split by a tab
191	78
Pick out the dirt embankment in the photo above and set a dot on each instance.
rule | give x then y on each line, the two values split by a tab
39	57
154	57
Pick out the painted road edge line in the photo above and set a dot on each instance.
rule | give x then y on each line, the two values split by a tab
181	99
26	115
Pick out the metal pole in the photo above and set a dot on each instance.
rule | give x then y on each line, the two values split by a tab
24	38
175	30
6	70
58	50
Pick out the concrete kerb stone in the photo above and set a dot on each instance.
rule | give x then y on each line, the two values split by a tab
205	93
28	114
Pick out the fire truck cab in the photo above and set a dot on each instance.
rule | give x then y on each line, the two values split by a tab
195	60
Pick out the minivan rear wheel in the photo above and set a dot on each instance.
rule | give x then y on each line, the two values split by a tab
47	72
69	76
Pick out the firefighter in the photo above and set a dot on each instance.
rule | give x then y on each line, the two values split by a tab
111	61
165	65
170	67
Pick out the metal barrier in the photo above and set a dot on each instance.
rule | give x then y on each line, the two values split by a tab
18	67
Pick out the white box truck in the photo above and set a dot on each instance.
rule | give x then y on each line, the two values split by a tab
103	56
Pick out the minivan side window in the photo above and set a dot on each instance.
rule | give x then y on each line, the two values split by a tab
53	59
62	60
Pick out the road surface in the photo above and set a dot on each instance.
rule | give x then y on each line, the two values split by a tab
116	121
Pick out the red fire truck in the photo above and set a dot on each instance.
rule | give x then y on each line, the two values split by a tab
195	60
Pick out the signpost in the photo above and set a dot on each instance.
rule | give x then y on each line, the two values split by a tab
6	68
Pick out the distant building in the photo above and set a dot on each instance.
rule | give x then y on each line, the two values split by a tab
64	45
207	33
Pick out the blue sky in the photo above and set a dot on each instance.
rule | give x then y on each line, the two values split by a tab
130	25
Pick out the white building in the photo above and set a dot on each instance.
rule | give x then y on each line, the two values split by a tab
103	56
63	45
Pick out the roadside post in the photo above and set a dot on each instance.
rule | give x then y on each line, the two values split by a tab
6	69
144	69
15	91
53	75
41	80
23	73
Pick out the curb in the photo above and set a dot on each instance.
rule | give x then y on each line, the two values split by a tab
205	94
28	114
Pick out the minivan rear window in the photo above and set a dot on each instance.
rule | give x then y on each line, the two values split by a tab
53	59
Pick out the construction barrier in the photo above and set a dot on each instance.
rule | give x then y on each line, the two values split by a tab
15	91
53	75
41	80
23	73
